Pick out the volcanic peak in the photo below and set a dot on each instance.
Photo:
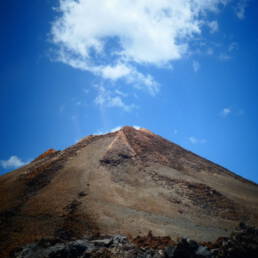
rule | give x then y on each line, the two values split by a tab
127	182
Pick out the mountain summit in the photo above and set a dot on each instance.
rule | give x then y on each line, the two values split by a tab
130	182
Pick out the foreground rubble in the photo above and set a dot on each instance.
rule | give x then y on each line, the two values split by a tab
242	243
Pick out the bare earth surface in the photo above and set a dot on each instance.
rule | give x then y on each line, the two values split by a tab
127	182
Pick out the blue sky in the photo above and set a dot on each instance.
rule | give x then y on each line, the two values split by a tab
186	70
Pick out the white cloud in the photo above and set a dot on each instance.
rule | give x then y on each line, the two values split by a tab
142	32
196	66
119	127
107	98
144	82
240	8
115	129
225	112
195	140
12	162
115	72
214	26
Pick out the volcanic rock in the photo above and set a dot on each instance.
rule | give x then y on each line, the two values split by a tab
242	243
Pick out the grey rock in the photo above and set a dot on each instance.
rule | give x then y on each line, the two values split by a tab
203	251
192	244
169	251
102	242
119	239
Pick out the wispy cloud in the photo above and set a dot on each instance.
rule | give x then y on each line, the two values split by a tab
114	39
194	140
12	162
228	53
240	8
225	112
210	51
233	46
120	93
224	57
214	26
131	76
108	99
196	66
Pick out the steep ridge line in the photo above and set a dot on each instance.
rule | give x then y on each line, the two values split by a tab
121	140
118	151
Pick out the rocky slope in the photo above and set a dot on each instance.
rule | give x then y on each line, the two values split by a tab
127	182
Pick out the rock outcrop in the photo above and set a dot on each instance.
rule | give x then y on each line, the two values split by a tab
242	243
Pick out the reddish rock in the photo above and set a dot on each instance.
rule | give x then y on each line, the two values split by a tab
46	154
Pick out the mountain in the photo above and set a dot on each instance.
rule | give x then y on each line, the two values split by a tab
129	182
